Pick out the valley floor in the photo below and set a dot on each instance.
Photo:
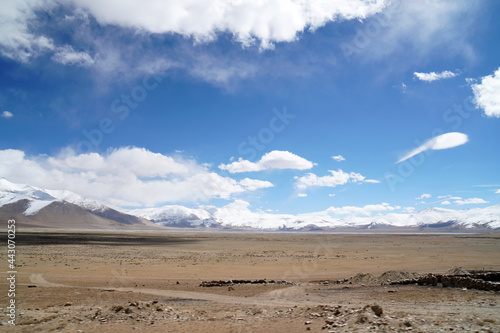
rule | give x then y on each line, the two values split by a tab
150	282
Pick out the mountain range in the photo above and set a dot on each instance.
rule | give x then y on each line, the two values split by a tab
37	207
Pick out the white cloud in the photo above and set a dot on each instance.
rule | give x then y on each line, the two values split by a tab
331	195
7	114
302	195
338	158
497	191
444	141
255	184
470	201
417	28
335	179
487	94
372	181
366	210
17	40
275	159
446	202
433	76
424	196
67	56
131	176
247	20
403	87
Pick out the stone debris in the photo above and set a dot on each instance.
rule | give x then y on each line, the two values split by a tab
472	280
456	277
227	283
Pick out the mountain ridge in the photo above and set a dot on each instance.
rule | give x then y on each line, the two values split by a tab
36	207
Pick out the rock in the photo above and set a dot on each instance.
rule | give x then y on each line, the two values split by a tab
308	322
377	309
361	319
117	308
67	304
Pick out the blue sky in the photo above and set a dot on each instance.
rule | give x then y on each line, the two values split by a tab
208	102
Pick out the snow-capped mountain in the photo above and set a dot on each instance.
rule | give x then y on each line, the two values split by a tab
62	208
38	207
238	215
39	198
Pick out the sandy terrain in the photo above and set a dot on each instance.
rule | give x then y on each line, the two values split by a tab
121	282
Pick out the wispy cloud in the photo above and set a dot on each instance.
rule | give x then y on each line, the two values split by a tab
275	159
433	76
7	114
487	94
417	28
444	141
67	56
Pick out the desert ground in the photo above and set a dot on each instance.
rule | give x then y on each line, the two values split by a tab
151	282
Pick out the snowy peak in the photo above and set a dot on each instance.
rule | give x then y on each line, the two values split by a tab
38	207
39	198
71	197
23	190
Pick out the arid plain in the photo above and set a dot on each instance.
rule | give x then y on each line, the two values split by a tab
150	282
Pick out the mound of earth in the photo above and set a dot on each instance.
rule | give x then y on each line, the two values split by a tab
365	278
457	271
394	276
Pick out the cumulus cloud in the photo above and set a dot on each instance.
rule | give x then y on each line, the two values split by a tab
470	201
7	114
335	179
366	210
248	21
124	176
275	159
424	196
444	141
433	76
67	56
446	202
338	158
487	94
